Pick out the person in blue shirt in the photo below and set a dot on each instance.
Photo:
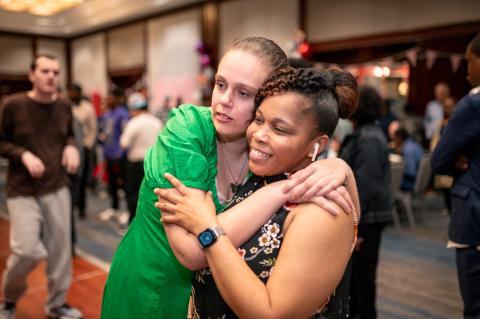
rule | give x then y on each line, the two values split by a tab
412	153
111	125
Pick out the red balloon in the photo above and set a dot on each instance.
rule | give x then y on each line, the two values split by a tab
305	50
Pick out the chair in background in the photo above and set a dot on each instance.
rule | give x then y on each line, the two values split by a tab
421	183
396	174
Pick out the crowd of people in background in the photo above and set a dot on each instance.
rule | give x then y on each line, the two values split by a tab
113	143
112	147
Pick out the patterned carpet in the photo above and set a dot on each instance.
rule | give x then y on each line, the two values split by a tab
417	273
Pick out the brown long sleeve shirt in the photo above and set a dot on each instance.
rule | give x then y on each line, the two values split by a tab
42	129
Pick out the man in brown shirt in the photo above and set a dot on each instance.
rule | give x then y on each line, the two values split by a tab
36	137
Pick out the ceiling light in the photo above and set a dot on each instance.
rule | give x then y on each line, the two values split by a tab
39	7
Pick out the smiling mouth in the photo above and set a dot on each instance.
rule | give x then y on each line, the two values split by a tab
258	155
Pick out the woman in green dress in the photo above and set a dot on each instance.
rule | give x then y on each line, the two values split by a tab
206	148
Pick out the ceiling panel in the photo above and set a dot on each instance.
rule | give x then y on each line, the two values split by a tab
89	16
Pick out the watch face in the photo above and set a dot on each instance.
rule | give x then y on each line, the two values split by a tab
206	238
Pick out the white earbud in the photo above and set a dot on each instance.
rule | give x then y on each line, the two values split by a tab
316	147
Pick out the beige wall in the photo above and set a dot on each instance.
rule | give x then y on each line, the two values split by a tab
173	63
89	63
57	48
343	19
274	19
15	54
126	47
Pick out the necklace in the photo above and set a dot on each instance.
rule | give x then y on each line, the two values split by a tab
237	181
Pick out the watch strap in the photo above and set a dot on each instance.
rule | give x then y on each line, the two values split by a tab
218	231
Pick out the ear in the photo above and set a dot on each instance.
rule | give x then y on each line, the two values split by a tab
31	75
317	146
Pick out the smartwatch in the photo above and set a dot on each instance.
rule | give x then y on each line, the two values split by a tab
210	235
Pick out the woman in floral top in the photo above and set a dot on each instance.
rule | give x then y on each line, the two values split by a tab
292	266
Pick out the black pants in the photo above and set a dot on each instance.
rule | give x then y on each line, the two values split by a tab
116	178
85	178
134	181
448	199
79	193
468	270
364	272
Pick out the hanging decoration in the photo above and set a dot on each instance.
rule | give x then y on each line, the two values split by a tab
412	56
431	57
388	61
455	60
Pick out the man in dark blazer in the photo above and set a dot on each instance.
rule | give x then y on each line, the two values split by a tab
458	154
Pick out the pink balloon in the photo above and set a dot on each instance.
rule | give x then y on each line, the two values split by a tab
205	60
200	47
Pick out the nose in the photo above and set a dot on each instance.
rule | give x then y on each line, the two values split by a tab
227	97
260	135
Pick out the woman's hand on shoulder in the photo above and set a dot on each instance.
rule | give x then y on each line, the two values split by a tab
319	182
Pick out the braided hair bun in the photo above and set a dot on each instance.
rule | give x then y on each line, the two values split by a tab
332	94
346	91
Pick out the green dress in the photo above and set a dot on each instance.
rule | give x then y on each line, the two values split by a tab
145	279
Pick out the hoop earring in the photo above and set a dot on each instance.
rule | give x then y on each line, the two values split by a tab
316	147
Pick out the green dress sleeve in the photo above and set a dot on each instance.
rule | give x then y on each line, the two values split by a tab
186	148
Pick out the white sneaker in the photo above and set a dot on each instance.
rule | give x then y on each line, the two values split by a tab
64	312
7	311
107	214
123	218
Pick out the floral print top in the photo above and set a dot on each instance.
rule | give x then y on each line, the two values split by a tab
260	253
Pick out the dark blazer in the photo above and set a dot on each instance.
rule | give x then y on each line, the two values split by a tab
462	137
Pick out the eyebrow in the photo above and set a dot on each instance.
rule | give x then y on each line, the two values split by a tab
277	119
241	85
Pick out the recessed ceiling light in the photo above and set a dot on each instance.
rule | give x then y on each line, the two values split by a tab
38	7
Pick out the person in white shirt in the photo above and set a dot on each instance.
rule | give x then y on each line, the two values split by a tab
434	109
138	136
